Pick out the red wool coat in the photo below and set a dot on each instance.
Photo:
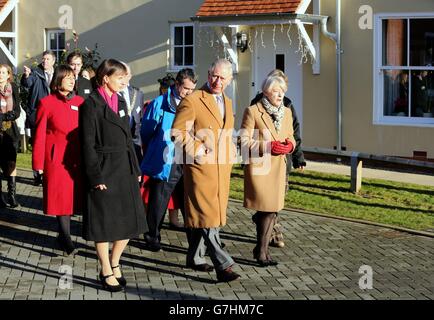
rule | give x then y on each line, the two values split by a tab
56	151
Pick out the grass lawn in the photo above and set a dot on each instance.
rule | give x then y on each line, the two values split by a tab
398	204
392	203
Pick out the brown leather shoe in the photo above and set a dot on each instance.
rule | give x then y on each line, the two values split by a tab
204	267
227	275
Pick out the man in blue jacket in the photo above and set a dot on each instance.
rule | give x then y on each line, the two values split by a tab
158	150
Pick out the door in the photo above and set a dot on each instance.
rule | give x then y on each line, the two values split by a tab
283	56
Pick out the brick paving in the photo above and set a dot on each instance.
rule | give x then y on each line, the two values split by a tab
321	260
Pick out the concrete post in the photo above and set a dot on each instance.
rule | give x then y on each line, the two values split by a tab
356	173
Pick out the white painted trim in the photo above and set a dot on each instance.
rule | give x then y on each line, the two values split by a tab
15	27
306	38
8	54
172	26
7	9
251	22
378	72
303	6
8	35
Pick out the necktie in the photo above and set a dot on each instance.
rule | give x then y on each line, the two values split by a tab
221	105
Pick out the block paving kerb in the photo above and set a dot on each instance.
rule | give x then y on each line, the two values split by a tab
321	260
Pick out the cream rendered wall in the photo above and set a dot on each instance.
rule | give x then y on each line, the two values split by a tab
135	31
359	133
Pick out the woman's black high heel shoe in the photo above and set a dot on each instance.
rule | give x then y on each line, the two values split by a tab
109	287
122	281
261	263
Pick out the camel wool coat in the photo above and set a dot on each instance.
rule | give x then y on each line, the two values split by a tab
198	124
264	174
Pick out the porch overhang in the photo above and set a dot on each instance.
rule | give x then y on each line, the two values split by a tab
10	49
219	18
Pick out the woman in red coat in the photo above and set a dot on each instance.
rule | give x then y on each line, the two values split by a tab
56	152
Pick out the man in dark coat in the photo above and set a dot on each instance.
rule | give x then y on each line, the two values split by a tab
83	86
37	82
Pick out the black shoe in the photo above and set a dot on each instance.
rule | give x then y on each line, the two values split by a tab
227	275
108	287
204	267
122	281
152	244
67	246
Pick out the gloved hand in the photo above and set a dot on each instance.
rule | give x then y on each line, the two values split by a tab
278	148
290	144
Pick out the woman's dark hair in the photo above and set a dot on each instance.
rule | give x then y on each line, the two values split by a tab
166	82
107	68
61	71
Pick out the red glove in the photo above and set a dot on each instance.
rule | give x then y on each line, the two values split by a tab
289	143
278	148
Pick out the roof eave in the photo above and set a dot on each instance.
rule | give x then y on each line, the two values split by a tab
255	19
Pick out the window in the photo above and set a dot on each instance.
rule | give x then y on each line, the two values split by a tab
182	45
404	70
56	42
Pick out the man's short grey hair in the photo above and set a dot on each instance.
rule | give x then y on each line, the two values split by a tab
272	80
220	62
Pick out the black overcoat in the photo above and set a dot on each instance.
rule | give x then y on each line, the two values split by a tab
108	158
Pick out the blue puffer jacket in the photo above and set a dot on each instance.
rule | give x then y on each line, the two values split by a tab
155	133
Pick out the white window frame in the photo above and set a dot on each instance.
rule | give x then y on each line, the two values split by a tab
48	32
172	66
378	113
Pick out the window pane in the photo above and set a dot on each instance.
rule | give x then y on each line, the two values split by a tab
421	42
178	56
395	42
61	40
179	36
188	36
396	93
188	56
422	94
53	41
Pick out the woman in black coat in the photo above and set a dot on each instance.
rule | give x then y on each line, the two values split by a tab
9	133
113	207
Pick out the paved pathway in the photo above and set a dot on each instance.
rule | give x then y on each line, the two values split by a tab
321	260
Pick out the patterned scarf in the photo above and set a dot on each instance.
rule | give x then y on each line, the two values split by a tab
6	99
276	113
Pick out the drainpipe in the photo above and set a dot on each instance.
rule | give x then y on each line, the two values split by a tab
336	37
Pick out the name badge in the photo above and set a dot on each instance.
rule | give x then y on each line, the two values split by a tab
122	113
74	108
86	91
138	109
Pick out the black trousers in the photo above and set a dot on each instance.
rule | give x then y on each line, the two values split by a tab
159	196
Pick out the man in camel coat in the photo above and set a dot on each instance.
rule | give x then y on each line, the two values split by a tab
203	128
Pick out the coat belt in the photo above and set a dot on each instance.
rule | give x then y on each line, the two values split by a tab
120	149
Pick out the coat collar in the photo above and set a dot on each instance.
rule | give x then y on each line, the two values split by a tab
109	114
208	100
266	118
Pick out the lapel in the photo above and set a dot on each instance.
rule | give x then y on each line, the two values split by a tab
228	110
266	118
210	103
109	114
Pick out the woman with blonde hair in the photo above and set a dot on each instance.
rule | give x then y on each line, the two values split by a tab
267	131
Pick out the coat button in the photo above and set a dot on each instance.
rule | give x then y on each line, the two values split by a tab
210	127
